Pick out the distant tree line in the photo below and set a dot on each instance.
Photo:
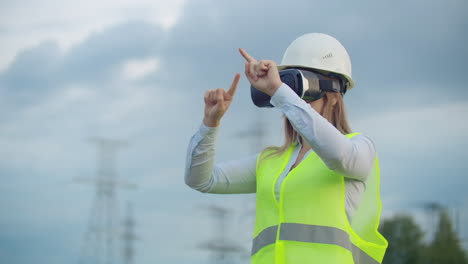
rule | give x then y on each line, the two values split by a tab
406	244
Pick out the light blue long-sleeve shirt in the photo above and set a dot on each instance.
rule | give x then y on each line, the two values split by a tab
352	157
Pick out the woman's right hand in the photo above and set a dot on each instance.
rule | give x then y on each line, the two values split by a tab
263	75
217	103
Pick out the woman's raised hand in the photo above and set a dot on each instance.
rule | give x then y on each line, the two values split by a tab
217	102
262	74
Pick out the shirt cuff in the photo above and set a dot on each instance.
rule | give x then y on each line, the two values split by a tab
206	131
284	95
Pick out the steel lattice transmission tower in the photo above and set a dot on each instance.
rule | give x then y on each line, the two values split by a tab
255	134
129	236
223	251
99	240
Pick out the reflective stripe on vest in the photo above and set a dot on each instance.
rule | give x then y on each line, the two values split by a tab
265	238
311	234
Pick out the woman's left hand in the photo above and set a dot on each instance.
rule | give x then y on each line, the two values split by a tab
262	74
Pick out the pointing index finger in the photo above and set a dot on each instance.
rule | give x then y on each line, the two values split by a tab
246	56
233	87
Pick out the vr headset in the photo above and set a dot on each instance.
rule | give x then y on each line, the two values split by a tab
307	84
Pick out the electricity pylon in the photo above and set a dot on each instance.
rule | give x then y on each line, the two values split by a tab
129	236
223	250
99	242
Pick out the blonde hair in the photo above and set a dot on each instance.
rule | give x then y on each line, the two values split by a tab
333	110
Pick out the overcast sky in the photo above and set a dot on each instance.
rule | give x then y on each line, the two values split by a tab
137	70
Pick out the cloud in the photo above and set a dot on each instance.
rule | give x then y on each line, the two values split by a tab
40	70
28	23
138	81
98	56
31	71
421	151
416	128
137	69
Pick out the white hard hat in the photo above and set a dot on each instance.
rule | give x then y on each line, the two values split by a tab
320	52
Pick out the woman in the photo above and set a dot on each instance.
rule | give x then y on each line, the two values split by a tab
317	195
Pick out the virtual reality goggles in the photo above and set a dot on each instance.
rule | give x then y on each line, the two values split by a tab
307	84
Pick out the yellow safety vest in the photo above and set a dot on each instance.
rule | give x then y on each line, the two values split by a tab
309	224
